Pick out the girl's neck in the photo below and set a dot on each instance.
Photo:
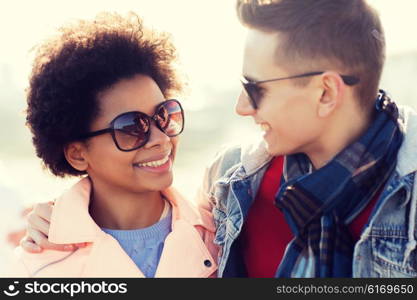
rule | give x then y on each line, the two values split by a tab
118	209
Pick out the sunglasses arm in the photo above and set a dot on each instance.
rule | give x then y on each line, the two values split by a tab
96	133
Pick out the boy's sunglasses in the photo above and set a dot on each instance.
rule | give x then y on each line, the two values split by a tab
131	130
254	92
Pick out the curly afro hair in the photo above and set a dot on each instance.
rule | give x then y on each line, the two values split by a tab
84	59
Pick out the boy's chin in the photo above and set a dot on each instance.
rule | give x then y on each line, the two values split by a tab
275	150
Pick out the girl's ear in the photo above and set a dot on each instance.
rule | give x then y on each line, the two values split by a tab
75	153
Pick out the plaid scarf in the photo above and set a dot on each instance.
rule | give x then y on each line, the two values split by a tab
318	205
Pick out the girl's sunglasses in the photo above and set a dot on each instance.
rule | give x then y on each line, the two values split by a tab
131	130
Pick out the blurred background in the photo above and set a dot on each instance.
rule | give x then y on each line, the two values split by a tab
209	39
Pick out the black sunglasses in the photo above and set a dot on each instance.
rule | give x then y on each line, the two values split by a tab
254	92
131	130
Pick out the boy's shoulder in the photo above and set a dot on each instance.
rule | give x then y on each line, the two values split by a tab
407	155
252	156
228	156
225	159
249	158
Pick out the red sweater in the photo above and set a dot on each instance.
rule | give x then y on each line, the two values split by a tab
265	234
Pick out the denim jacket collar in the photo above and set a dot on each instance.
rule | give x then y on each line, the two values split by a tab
254	157
407	156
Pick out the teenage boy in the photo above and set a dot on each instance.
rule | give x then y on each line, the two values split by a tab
329	190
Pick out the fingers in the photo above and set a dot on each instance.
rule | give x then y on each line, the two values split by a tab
38	231
42	241
38	223
29	245
37	237
43	210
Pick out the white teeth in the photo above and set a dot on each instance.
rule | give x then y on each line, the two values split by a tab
155	163
265	127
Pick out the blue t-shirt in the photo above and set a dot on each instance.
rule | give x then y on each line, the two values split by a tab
144	246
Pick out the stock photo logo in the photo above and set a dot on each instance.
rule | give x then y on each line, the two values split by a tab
12	291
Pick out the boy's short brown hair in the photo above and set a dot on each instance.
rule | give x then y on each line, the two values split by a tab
345	35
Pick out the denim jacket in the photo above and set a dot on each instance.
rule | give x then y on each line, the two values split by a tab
387	245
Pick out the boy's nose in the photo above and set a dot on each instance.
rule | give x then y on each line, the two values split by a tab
243	106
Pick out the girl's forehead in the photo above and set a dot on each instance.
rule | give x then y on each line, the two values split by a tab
140	93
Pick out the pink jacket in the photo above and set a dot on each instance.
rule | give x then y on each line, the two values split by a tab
188	251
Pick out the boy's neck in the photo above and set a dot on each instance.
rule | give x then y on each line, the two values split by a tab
114	208
343	129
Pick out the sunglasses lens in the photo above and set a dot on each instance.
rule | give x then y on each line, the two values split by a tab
170	118
131	130
253	94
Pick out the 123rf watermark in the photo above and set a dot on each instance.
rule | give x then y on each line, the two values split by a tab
366	289
72	289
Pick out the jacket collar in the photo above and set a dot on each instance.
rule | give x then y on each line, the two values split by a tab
407	155
72	223
254	156
185	252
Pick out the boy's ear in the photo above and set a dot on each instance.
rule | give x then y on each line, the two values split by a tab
75	155
333	88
